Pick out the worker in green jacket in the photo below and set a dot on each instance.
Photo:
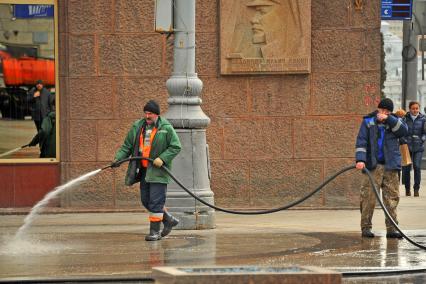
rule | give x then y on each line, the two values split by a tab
46	135
152	137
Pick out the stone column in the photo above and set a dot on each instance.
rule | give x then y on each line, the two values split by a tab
185	113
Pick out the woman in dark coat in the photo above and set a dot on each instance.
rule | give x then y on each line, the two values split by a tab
415	140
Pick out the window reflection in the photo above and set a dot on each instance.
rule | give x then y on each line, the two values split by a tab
27	81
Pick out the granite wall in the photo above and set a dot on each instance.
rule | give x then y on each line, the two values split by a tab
272	139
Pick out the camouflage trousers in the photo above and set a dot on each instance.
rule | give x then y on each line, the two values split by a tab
388	182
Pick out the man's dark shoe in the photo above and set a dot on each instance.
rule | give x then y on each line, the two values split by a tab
367	233
416	193
407	192
393	235
169	222
154	232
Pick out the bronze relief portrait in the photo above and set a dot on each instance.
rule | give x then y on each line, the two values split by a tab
265	36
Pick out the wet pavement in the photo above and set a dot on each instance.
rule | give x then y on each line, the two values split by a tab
112	245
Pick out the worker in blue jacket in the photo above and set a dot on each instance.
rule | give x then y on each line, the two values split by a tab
377	149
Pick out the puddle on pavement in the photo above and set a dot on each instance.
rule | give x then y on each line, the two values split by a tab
97	253
378	252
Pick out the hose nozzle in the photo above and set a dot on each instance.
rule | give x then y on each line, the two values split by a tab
116	164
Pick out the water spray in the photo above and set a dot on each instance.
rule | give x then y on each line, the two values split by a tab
13	151
41	204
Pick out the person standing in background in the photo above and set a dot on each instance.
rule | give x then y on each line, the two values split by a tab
39	98
415	140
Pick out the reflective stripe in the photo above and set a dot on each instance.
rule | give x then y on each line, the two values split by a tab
145	146
361	150
155	217
370	121
397	126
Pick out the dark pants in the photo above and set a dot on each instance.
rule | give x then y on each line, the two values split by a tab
416	158
153	196
37	124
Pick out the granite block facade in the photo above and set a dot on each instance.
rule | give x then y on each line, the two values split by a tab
272	138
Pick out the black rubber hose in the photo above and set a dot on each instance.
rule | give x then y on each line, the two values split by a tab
388	216
259	212
273	210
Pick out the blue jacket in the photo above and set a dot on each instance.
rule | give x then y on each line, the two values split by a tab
366	142
416	133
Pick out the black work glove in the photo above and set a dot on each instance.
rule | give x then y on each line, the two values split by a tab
34	141
115	164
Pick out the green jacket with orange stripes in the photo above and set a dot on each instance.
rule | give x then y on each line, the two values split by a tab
165	145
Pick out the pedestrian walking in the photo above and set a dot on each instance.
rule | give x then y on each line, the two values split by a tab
415	139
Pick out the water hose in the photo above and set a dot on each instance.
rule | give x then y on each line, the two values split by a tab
273	210
388	216
13	150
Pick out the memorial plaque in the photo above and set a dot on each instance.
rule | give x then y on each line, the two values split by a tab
265	36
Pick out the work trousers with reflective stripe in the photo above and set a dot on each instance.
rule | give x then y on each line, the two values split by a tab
388	182
153	197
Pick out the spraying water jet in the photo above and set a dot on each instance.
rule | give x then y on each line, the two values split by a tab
13	151
41	204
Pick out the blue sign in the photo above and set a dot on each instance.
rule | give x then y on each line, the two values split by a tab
397	9
25	11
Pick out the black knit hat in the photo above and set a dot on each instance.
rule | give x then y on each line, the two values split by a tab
152	106
39	82
386	103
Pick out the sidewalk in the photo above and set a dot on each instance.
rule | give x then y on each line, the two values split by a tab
112	244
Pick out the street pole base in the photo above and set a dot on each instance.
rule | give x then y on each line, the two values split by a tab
195	220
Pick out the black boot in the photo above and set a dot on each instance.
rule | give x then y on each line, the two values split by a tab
416	193
407	192
154	232
393	235
169	222
367	233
